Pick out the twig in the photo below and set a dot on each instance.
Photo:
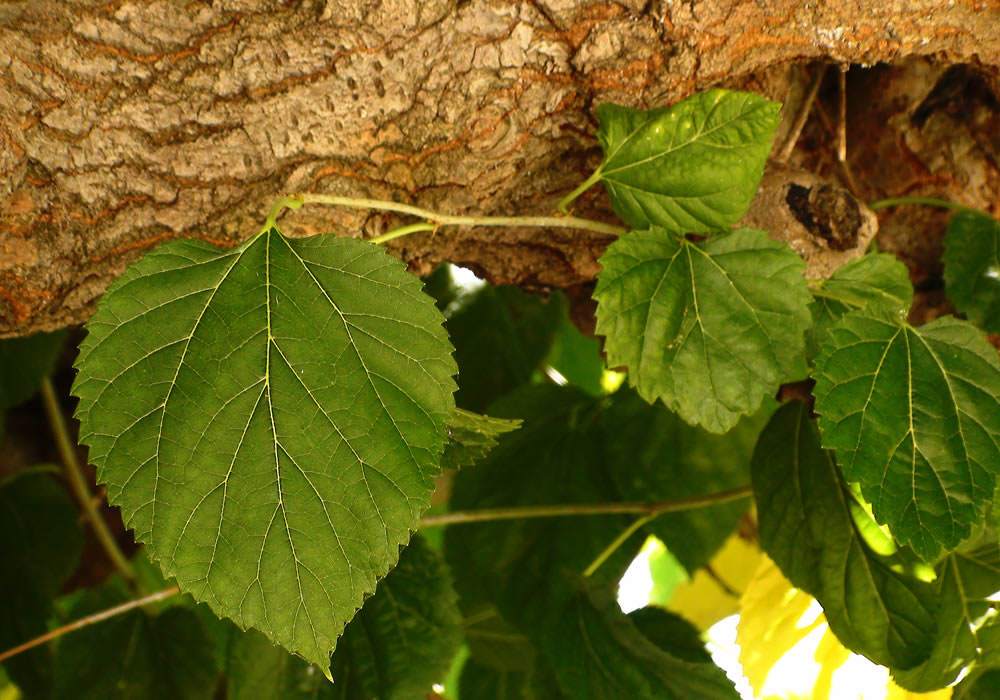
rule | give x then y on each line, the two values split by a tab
801	117
77	483
616	543
90	620
433	220
653	509
842	117
925	201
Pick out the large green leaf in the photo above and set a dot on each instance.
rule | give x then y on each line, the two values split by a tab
596	652
270	420
913	415
471	436
24	363
877	281
657	456
808	526
712	328
501	335
40	545
399	644
965	583
135	656
972	267
694	166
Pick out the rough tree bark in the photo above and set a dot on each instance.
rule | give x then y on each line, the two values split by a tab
124	124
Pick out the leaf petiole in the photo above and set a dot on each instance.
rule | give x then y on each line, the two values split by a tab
617	542
564	203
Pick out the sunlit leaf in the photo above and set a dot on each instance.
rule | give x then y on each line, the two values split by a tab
694	166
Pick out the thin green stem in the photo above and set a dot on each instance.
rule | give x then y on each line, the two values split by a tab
564	203
925	201
616	543
90	620
402	231
77	483
435	219
563	510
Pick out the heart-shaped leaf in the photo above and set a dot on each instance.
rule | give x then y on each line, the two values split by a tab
694	166
270	420
913	416
711	328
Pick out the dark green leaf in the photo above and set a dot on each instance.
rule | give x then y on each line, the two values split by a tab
710	329
807	527
399	644
136	655
556	457
876	281
982	685
479	682
501	335
270	420
494	642
40	545
671	633
24	363
694	166
972	267
577	358
440	285
471	436
912	414
964	583
660	457
596	652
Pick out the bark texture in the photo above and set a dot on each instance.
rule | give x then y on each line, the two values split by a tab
124	124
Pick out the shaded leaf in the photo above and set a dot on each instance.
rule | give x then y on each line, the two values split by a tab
270	420
557	457
596	651
399	644
694	166
24	363
875	281
712	328
471	436
663	458
972	267
965	582
672	633
577	358
136	655
501	335
808	529
40	542
913	416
